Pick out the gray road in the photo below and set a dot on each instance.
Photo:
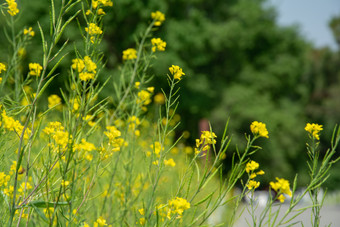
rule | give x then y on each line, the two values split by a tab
330	214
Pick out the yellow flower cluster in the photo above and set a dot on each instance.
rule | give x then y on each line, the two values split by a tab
156	148
86	148
14	125
113	133
133	122
250	168
29	32
12	7
176	71
158	17
177	207
93	30
259	129
159	98
281	186
54	100
4	179
129	54
158	44
96	4
2	68
100	222
35	69
207	138
170	162
314	130
57	132
144	97
86	68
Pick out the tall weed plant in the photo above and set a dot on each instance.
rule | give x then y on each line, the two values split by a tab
85	161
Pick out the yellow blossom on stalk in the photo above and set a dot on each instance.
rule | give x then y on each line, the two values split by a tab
157	147
4	179
281	198
281	186
23	185
35	69
176	71
90	65
158	44
116	143
259	129
85	146
53	100
137	84
64	183
106	2
159	98
93	29
144	97
85	76
253	184
158	17
14	125
0	80
314	130
100	222
142	221
170	162
78	64
251	166
29	31
129	54
12	7
2	67
177	207
141	211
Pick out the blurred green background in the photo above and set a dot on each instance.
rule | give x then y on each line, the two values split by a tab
239	63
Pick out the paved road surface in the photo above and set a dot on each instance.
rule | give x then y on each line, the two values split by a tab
330	214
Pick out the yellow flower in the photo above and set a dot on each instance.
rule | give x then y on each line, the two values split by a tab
65	183
314	130
158	17
35	69
158	44
141	211
29	31
93	29
170	162
259	129
142	221
281	198
281	186
90	65
253	184
2	67
53	100
251	166
144	97
177	207
78	64
4	179
12	7
129	54
159	98
176	71
100	222
85	76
